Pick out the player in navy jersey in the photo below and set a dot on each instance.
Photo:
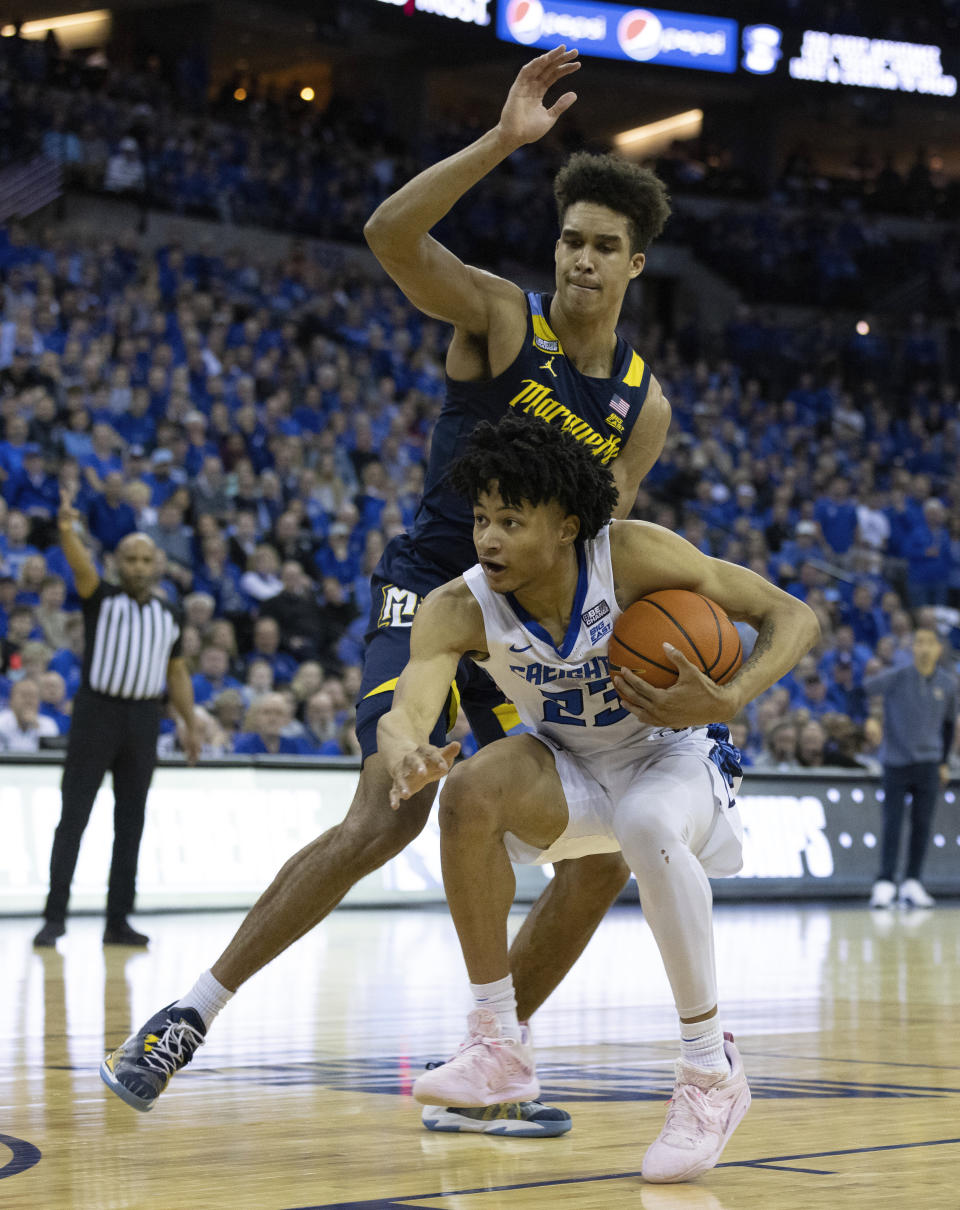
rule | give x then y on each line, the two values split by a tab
608	762
553	357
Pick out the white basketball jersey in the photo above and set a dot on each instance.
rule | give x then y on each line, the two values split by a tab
564	691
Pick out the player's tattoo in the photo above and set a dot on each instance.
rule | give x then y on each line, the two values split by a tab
764	641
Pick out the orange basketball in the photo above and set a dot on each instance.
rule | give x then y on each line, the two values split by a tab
694	625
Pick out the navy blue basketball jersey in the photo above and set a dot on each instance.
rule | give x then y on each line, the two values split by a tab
541	382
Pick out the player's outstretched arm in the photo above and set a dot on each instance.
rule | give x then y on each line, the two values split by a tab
447	626
648	557
436	281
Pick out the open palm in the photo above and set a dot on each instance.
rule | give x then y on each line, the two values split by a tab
525	118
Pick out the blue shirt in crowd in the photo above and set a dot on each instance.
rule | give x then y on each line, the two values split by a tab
919	714
251	744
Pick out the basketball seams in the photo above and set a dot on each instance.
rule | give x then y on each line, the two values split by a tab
713	614
640	656
642	630
667	614
733	663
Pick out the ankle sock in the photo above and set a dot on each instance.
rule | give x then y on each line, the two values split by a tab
500	999
701	1044
206	997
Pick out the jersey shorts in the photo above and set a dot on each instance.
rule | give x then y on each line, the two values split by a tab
386	654
693	776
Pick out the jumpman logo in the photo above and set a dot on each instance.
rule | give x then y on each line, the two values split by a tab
548	365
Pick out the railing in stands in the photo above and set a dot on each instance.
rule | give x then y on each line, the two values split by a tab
28	186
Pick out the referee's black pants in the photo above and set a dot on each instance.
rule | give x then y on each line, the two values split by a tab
923	782
119	735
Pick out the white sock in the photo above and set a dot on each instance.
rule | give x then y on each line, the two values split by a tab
206	997
701	1044
499	998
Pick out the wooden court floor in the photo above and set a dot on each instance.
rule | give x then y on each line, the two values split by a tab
847	1022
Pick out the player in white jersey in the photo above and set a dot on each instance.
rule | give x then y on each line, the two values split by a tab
609	763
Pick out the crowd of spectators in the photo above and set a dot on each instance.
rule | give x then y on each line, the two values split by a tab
227	410
268	424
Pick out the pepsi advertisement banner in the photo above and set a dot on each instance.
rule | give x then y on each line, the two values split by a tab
615	31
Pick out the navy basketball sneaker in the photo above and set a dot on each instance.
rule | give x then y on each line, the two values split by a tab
517	1119
523	1120
140	1068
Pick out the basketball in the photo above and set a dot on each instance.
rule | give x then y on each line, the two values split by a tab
693	624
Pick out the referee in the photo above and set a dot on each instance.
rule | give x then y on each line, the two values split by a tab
131	658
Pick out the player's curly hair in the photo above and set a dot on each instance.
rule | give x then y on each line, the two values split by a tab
608	180
532	461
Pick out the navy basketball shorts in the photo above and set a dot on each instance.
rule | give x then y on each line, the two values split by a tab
386	652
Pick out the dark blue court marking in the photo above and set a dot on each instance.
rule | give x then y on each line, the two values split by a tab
564	1082
790	1168
770	1163
25	1155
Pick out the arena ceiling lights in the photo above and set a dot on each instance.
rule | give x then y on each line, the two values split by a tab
91	28
652	137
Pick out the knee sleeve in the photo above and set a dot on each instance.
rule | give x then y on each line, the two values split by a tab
656	833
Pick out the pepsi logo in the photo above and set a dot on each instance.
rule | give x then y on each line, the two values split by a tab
639	34
525	20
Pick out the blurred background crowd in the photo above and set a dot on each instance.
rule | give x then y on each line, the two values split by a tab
266	415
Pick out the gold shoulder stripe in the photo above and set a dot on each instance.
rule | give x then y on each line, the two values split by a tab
634	374
542	329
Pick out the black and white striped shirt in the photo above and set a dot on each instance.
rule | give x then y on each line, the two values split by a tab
127	646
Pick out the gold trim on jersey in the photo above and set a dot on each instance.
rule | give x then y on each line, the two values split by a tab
507	716
635	370
546	334
546	339
386	687
453	707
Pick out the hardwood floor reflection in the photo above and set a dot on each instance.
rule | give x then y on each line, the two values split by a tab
846	1020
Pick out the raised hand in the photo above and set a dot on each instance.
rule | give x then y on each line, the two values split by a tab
67	515
420	767
525	118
